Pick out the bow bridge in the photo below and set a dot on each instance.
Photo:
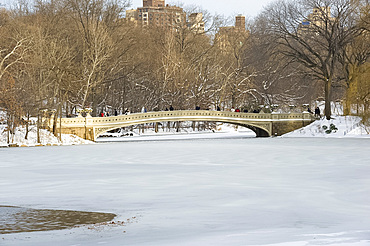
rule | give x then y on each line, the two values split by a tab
264	125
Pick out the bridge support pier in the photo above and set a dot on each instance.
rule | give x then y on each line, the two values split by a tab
282	127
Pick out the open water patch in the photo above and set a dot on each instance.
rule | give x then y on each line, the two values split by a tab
18	219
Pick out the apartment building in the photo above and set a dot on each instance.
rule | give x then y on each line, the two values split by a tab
319	18
229	36
156	12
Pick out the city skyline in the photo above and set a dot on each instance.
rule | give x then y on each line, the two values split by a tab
249	8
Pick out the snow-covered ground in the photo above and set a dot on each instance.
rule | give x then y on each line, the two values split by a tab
345	127
46	138
241	191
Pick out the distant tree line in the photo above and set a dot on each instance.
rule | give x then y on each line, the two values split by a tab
63	55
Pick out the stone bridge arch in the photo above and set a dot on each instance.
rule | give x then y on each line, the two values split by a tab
262	129
259	130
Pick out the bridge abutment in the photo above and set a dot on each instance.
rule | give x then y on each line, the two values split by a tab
283	126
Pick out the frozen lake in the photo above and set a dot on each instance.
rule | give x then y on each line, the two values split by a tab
241	191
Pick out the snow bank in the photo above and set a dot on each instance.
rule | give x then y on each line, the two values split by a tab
46	138
337	127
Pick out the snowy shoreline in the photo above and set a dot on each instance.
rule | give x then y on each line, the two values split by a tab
345	127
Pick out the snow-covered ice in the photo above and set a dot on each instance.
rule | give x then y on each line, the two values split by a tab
237	191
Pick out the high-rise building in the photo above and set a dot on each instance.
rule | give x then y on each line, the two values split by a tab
319	18
240	22
229	36
153	3
196	23
155	12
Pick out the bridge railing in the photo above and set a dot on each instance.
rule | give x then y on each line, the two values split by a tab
183	115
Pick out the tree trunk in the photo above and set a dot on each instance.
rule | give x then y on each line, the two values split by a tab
8	130
13	128
328	98
27	126
94	103
38	126
54	117
347	104
68	112
60	122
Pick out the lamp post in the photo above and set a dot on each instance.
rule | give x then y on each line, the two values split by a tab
274	107
43	112
292	106
79	111
306	107
86	113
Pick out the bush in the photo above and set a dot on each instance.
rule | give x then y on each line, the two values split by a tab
333	128
330	129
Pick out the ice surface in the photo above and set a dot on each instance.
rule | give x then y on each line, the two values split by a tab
241	191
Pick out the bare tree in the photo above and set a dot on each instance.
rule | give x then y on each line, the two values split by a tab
313	33
95	20
235	74
13	49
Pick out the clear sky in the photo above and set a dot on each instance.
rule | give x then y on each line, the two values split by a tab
224	7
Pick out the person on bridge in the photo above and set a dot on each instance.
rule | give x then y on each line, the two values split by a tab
115	112
171	108
197	108
218	108
101	114
237	110
317	112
